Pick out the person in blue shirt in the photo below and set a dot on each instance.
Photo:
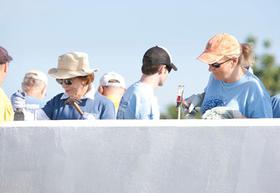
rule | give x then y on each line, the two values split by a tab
231	87
275	102
79	100
139	101
33	88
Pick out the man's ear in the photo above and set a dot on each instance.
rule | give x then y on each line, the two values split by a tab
5	67
100	90
161	69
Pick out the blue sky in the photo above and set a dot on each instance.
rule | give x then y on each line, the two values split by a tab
116	34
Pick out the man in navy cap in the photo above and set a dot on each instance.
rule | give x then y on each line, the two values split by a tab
6	110
139	101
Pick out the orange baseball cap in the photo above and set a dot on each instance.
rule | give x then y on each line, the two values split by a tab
220	46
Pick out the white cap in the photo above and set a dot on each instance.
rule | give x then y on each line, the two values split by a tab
112	79
38	75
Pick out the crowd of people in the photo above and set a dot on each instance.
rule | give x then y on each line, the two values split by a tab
233	91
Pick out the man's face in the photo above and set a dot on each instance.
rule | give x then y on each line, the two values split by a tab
164	71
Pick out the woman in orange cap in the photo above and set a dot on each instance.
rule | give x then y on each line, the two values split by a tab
231	87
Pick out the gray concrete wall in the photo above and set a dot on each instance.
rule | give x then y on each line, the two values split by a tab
240	156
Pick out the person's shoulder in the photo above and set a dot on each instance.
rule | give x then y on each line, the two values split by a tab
143	88
133	89
255	86
101	99
33	100
275	99
250	77
135	86
253	81
57	97
1	91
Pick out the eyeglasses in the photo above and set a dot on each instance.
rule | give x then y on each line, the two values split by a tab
65	81
218	65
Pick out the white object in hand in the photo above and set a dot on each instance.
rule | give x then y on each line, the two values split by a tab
193	101
222	113
88	116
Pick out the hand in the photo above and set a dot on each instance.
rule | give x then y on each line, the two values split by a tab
18	100
88	116
193	101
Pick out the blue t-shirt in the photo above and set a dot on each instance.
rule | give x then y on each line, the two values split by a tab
247	95
139	102
96	104
29	102
275	102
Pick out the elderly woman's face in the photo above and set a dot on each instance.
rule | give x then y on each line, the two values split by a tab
74	87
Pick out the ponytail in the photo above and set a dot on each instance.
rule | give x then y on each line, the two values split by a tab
247	57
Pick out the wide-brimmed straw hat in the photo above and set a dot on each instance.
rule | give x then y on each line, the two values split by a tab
71	65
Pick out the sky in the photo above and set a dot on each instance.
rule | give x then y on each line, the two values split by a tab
116	34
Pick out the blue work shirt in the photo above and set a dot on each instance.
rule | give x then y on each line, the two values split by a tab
92	102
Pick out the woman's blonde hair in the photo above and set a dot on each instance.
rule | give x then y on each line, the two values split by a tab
247	57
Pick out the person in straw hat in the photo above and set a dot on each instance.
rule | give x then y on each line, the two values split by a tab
79	100
232	91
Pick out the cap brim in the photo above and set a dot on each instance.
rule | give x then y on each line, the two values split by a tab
64	74
173	67
209	58
10	58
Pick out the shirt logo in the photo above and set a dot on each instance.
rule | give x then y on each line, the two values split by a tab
211	103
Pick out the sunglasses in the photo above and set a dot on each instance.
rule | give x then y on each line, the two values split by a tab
218	65
65	81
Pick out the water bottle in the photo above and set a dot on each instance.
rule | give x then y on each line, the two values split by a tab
179	99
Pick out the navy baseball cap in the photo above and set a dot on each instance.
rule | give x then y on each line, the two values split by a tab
158	55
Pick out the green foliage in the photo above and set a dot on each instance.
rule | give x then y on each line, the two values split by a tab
172	113
266	67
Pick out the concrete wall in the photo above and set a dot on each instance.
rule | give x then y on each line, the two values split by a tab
190	156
